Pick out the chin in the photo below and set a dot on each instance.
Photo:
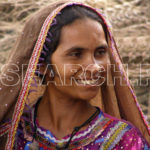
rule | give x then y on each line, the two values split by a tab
87	93
87	96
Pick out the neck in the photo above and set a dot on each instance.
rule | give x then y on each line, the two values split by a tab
60	114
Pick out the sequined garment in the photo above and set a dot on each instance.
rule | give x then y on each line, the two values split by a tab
103	133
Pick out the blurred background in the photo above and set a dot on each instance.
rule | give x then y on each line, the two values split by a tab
130	20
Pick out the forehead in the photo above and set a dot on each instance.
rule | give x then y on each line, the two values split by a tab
82	30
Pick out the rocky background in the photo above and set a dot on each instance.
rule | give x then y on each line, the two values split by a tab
130	20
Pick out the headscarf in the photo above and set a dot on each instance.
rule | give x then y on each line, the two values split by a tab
113	98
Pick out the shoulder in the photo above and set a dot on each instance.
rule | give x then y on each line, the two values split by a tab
123	125
120	132
26	124
26	119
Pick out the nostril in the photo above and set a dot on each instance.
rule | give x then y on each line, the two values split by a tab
92	67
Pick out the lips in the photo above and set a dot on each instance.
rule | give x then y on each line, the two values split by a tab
87	82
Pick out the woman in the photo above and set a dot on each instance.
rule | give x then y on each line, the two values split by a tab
74	72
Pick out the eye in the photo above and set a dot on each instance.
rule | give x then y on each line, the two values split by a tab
100	52
75	54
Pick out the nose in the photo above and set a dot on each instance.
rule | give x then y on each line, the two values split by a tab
93	68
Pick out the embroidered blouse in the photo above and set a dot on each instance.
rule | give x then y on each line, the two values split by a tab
103	133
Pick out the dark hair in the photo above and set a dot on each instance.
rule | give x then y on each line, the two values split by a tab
67	16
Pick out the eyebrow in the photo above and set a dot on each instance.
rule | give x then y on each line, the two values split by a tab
102	46
78	48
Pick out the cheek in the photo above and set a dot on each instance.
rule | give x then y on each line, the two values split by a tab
72	70
58	65
63	67
67	71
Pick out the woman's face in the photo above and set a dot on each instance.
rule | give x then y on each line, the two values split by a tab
80	60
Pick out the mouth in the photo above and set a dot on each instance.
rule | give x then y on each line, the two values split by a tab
87	82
